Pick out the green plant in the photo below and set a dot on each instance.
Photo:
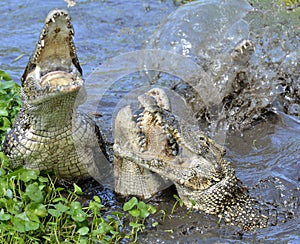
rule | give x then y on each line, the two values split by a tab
10	103
32	210
178	201
138	211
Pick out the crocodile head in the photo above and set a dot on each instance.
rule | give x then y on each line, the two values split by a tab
154	139
53	70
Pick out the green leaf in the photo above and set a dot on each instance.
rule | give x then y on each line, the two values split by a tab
176	197
178	200
151	209
4	122
2	171
130	204
34	193
95	207
19	224
9	193
154	224
193	202
77	189
3	113
62	208
76	212
4	216
97	199
55	213
37	209
144	213
135	212
141	205
22	223
83	230
4	159
4	75
28	175
43	179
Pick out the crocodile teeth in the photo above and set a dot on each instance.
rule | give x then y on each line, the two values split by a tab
142	142
172	141
174	146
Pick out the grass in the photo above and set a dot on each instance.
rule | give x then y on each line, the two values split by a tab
34	210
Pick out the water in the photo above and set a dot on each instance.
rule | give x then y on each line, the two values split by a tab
266	157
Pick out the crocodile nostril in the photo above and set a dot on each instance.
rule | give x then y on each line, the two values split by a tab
57	30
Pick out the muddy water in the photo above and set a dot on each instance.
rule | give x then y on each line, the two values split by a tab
266	157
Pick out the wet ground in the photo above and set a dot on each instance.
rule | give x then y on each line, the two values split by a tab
266	156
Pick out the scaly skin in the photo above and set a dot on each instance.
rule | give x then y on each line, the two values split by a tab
49	133
152	149
156	140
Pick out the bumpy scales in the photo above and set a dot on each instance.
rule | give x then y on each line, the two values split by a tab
157	140
153	148
49	133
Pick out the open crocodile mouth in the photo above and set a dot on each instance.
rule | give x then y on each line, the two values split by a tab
54	67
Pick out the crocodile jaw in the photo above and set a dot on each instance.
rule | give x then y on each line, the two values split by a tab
53	69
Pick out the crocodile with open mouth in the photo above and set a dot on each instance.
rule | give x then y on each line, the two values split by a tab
48	132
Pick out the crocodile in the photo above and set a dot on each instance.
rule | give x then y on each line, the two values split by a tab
153	139
151	151
49	133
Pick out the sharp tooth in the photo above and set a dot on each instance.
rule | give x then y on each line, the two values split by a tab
53	20
42	43
37	72
142	142
173	146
